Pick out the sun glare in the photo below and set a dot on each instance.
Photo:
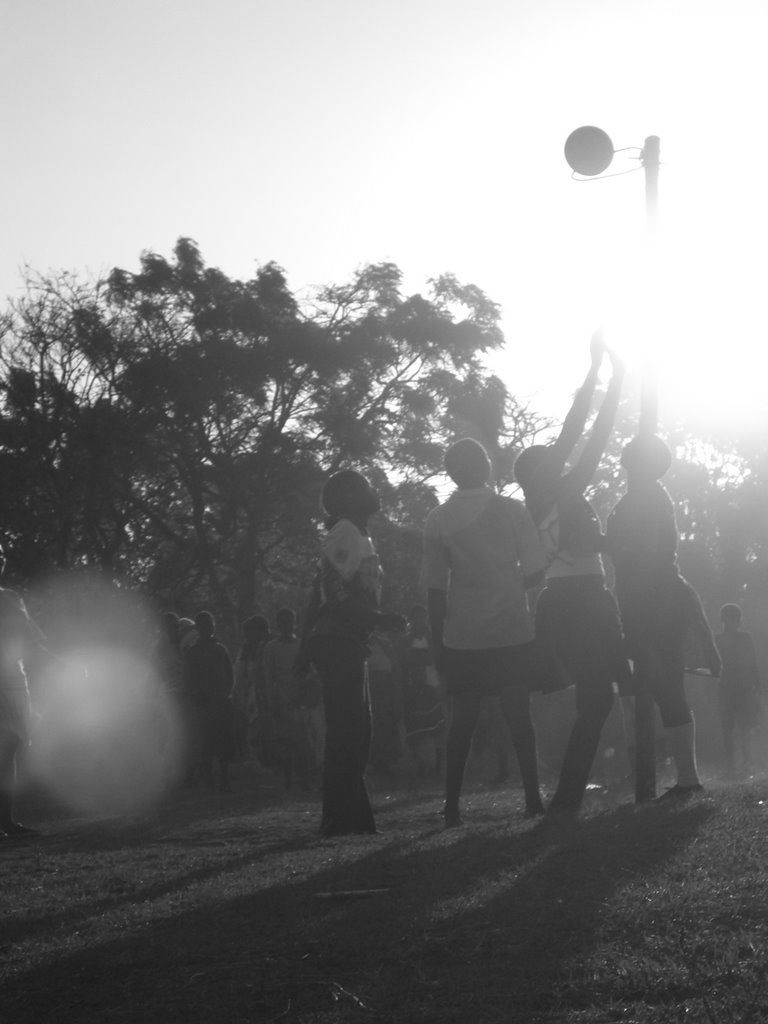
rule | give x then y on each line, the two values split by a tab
697	322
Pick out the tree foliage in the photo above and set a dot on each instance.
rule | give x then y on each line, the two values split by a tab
172	426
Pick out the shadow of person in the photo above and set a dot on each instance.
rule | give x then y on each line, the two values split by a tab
475	925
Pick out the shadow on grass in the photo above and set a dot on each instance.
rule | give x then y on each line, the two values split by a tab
216	829
477	926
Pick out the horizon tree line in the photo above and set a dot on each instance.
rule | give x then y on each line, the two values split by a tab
169	429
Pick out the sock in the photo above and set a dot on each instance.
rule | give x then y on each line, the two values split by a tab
682	744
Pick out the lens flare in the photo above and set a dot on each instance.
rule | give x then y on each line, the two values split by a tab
106	741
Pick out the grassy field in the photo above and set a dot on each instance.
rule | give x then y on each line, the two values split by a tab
231	908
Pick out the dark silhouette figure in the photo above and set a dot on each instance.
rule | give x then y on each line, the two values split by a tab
181	707
284	688
20	637
254	724
244	689
385	690
739	700
423	696
577	620
661	612
211	680
343	612
481	553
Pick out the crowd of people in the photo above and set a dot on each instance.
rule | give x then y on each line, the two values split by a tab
264	706
516	601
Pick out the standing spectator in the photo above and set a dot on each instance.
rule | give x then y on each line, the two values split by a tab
180	709
423	697
384	685
286	699
739	691
170	665
481	553
190	708
577	620
659	609
249	698
20	637
211	681
343	613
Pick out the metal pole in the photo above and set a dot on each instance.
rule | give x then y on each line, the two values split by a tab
649	406
645	739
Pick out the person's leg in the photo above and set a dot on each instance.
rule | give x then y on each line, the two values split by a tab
207	749
497	743
593	705
501	747
666	679
682	746
745	734
465	708
9	744
627	711
195	742
303	769
590	644
287	768
377	687
238	750
224	785
303	748
346	808
363	718
440	735
726	731
516	707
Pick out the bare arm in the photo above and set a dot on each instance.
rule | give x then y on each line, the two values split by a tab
581	475
575	421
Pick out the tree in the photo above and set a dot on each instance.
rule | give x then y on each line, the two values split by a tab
184	421
63	444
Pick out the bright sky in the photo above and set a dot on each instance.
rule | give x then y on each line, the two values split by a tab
325	134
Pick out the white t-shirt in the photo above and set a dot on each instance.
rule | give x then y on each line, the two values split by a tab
562	562
477	547
352	553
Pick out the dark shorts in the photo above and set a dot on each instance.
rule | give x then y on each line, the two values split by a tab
660	609
739	705
577	620
488	671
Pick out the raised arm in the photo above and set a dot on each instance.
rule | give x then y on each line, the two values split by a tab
574	422
581	475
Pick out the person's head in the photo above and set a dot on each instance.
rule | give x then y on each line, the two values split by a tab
730	616
530	463
349	494
417	618
467	464
170	625
256	629
285	621
187	633
646	458
205	624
